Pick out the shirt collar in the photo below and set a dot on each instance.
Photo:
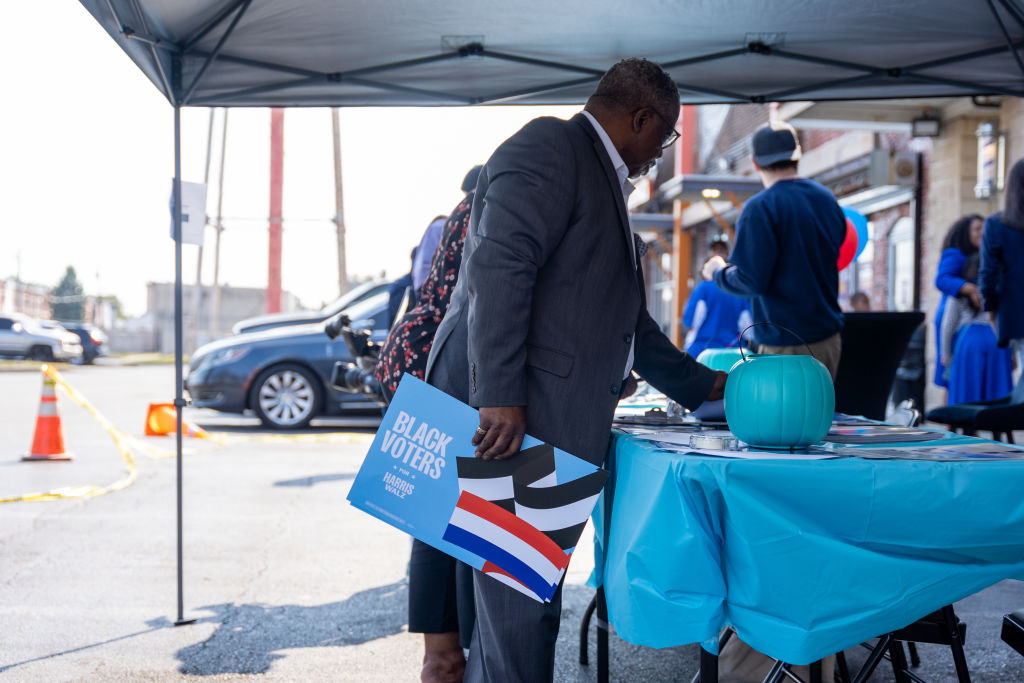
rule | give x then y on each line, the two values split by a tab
621	171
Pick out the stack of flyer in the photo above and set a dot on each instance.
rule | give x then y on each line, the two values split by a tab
517	520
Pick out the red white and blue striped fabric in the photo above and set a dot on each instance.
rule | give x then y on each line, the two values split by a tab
508	544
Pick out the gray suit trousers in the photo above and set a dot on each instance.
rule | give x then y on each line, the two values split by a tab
514	637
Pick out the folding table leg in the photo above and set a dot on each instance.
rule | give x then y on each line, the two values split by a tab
873	659
915	659
956	645
844	670
602	636
585	632
708	667
899	662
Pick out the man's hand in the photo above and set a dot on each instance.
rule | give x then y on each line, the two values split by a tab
628	387
718	390
712	266
500	433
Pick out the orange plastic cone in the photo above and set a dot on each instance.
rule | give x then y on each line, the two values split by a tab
162	419
48	441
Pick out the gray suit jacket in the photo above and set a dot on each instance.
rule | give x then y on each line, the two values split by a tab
548	298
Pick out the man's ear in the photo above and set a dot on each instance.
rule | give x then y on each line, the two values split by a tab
640	119
756	167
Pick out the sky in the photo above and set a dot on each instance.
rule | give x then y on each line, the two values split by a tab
86	162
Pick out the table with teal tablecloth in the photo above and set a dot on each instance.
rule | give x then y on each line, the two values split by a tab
804	558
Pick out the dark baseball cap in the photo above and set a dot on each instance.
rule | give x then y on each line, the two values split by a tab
775	142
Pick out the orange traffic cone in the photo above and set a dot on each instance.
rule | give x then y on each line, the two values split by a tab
48	442
162	419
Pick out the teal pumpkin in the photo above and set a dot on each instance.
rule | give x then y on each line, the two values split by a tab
776	401
719	359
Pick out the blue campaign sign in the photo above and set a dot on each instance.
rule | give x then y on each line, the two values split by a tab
517	520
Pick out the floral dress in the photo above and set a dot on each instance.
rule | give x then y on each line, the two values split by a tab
408	344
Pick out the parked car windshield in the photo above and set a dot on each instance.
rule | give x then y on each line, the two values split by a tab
374	308
348	297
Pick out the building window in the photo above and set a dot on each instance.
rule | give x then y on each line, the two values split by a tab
901	265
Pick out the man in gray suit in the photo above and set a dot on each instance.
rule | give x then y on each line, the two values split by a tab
549	316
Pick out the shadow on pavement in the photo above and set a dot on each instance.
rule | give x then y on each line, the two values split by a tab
316	479
249	636
155	625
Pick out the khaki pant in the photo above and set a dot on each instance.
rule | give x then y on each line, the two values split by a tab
740	663
826	351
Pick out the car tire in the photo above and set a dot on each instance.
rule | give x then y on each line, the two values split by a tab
44	353
286	396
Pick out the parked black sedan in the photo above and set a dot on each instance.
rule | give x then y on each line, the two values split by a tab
94	340
281	374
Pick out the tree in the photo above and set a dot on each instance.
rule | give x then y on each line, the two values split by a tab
67	302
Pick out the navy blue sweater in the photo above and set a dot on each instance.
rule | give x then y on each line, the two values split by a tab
1001	278
787	247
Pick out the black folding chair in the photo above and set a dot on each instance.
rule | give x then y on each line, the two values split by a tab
1000	416
1013	630
939	628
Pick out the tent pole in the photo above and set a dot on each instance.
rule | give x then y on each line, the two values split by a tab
179	400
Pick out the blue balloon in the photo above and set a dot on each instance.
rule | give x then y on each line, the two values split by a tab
860	223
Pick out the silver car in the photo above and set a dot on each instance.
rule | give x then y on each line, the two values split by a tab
25	337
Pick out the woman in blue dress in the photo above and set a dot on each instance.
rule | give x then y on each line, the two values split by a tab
962	240
1001	277
978	369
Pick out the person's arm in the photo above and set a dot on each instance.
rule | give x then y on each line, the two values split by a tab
991	270
752	261
526	210
947	276
671	371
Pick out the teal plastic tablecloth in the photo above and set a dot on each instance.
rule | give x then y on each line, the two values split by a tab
803	558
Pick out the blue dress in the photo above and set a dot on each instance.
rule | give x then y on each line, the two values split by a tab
980	371
949	282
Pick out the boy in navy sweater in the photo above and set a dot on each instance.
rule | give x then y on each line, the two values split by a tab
786	253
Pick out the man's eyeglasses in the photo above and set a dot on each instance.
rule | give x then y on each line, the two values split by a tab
672	135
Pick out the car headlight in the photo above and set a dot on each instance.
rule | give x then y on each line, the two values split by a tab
227	355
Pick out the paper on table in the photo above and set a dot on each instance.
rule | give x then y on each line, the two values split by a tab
679	437
679	442
747	453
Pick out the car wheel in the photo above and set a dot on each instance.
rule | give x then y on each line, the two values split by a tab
44	353
286	396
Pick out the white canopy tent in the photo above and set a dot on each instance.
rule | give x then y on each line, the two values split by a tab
277	53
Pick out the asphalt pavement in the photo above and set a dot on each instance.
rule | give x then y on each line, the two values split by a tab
284	579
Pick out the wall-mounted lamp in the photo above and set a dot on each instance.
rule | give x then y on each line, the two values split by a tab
925	127
991	160
710	193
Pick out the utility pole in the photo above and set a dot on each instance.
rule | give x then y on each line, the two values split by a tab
276	192
339	217
215	304
197	293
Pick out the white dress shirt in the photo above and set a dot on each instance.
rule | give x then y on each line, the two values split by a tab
622	172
